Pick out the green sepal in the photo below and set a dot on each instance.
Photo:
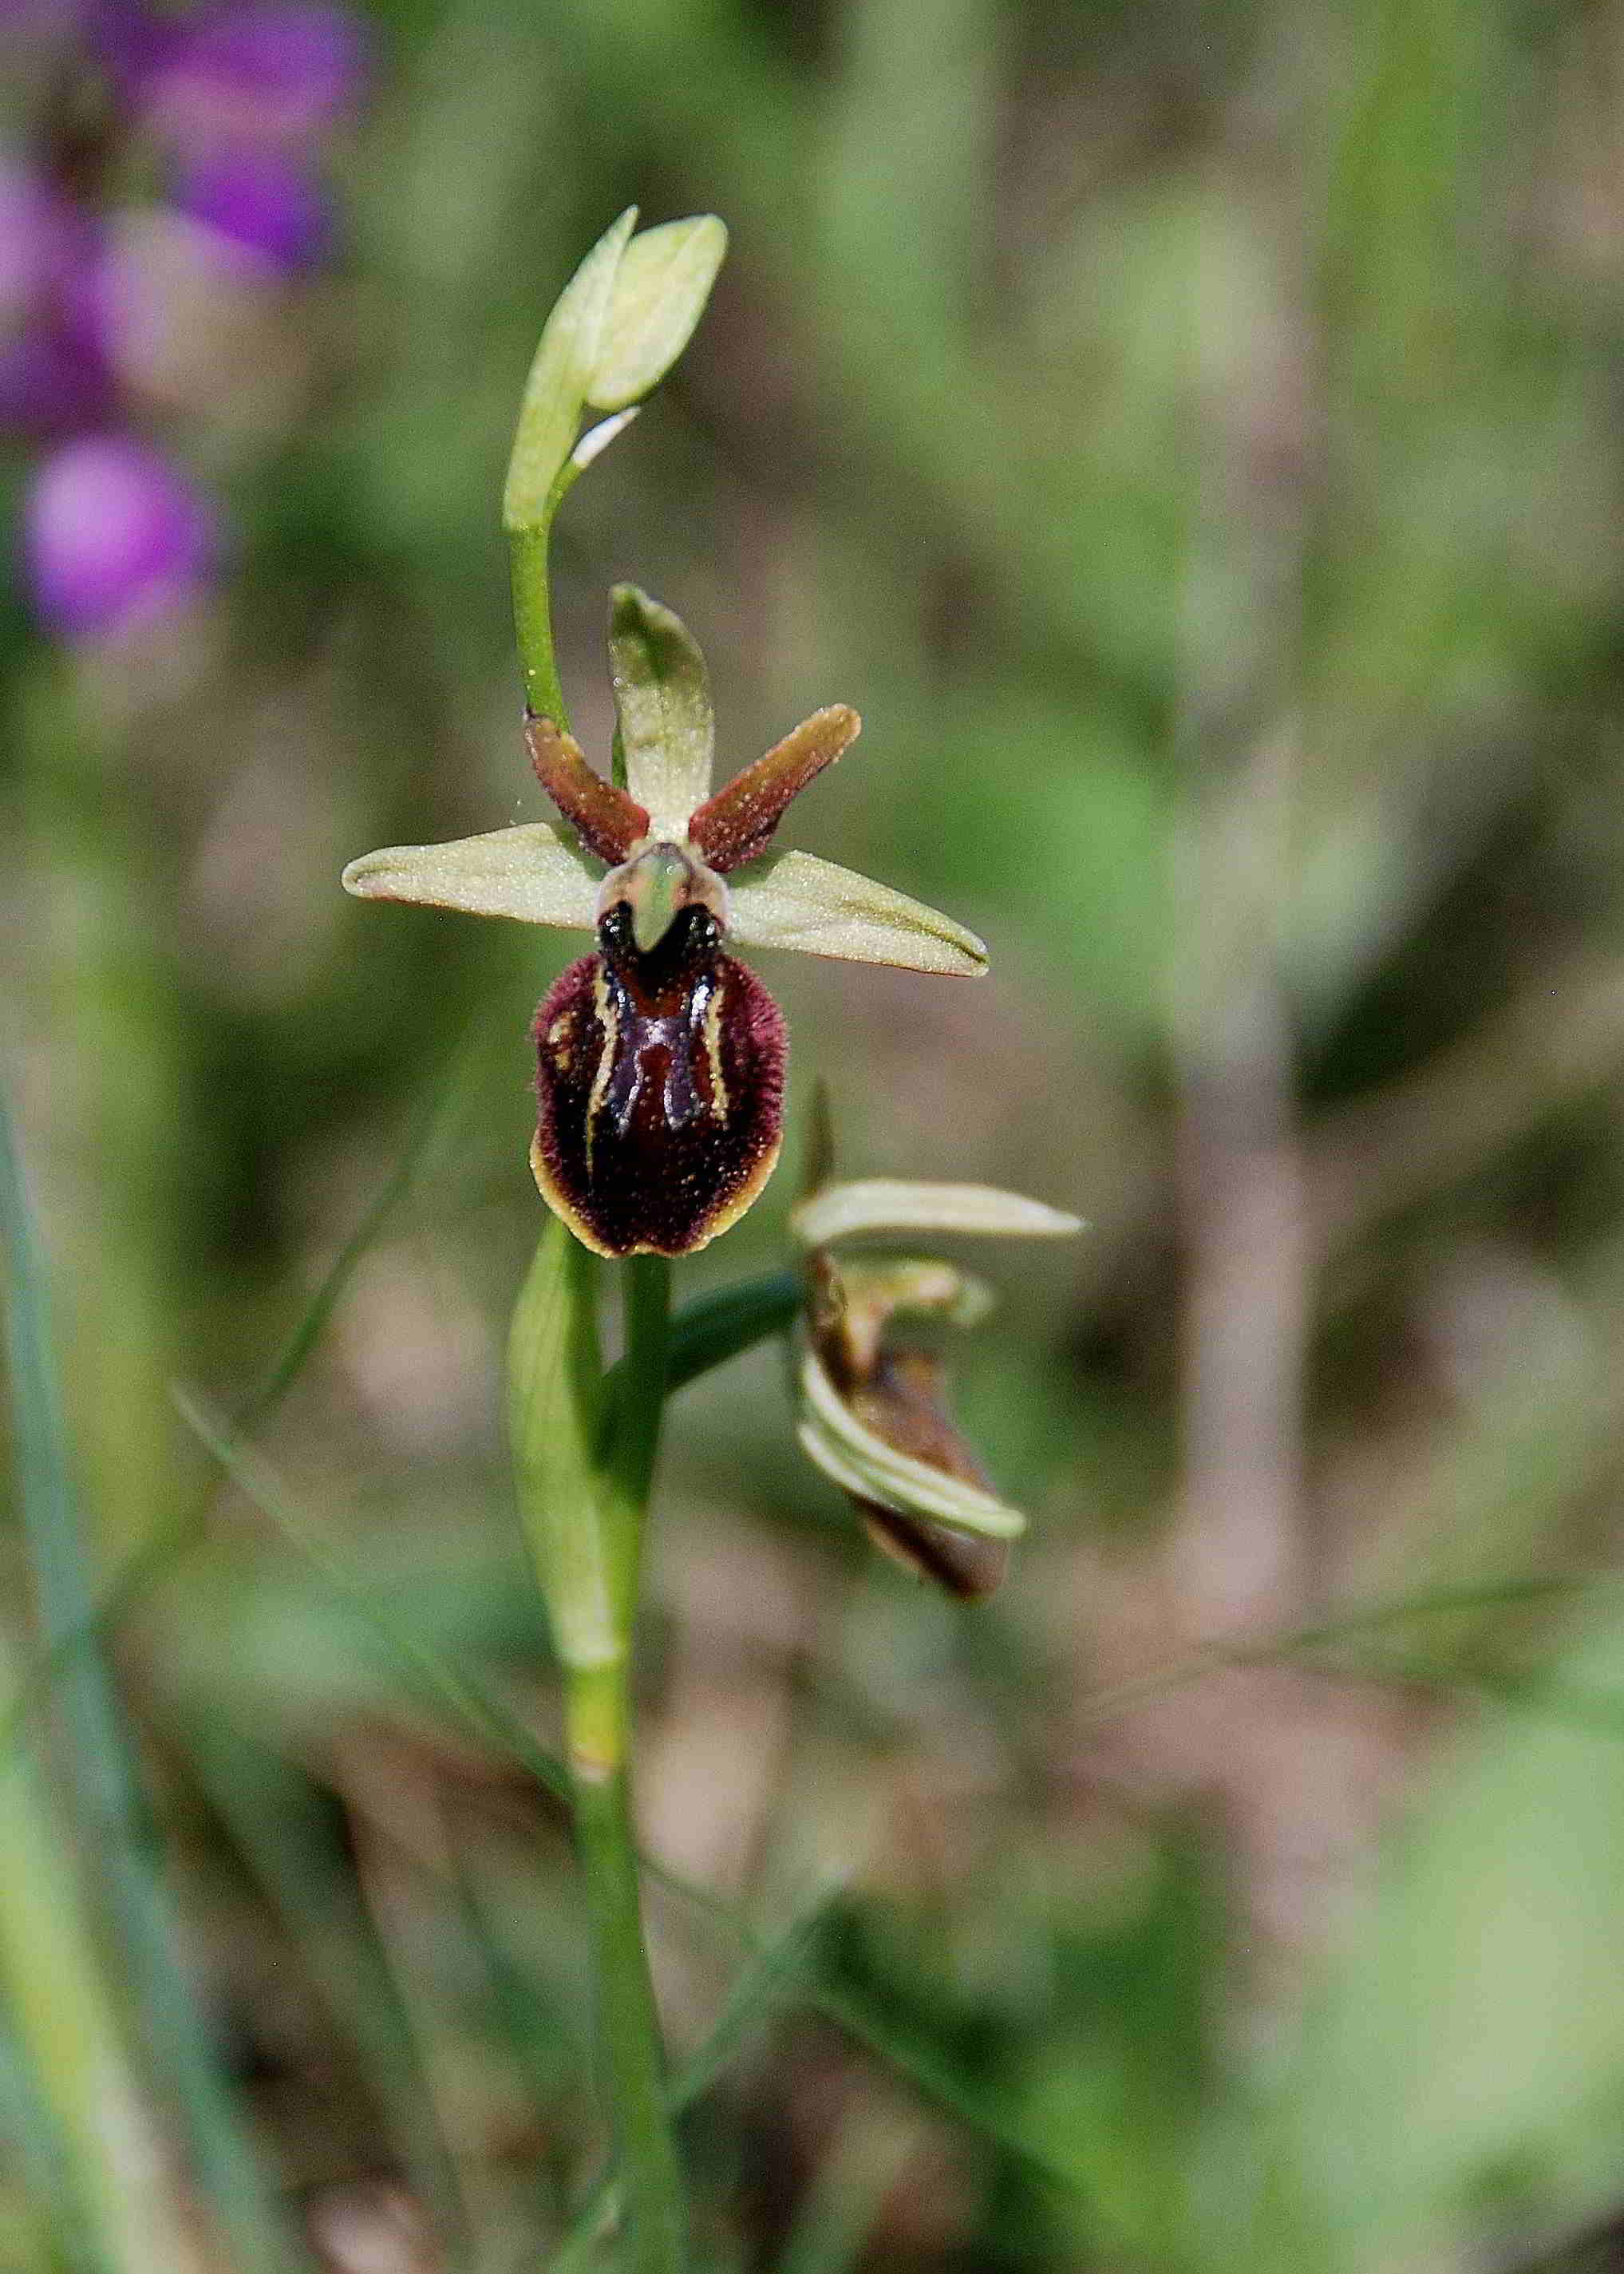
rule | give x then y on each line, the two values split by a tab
662	697
795	901
532	874
893	1204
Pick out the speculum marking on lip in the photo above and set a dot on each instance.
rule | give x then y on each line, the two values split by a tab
660	1078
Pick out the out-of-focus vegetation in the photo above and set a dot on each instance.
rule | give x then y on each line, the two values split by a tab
1191	436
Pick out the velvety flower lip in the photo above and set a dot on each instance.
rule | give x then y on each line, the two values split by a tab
659	1088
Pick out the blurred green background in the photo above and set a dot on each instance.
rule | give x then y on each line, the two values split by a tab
1191	436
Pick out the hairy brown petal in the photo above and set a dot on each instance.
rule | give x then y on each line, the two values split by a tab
736	824
607	821
660	1081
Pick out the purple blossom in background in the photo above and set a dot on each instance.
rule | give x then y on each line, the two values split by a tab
257	73
127	41
113	534
263	203
53	372
34	224
233	101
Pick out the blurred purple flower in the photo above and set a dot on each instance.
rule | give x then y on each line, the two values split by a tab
53	369
258	72
261	202
112	533
51	381
128	41
34	231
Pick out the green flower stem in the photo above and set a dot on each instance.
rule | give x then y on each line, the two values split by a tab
585	1457
532	615
599	1723
635	1410
630	2054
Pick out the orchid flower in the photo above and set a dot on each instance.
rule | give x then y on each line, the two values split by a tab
661	1056
874	1414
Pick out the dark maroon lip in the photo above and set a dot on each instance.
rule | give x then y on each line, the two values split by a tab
660	1083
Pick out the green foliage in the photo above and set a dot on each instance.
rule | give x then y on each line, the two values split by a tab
1188	436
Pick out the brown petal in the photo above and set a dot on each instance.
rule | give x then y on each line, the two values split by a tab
905	1404
660	1079
604	819
962	1563
736	824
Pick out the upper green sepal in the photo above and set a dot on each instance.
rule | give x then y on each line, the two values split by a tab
662	695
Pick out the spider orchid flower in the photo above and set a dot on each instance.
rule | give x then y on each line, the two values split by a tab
873	1412
661	1058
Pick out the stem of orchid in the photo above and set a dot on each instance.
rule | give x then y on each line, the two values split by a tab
636	1411
532	616
598	1719
584	1460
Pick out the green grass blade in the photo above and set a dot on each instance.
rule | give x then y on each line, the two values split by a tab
770	1971
285	1835
428	1675
62	2007
120	1840
169	1543
848	2194
482	1716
